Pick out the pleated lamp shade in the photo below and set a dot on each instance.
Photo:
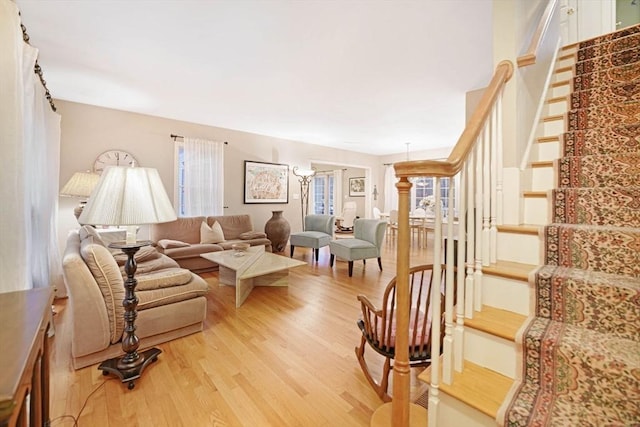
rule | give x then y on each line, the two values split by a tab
128	196
81	184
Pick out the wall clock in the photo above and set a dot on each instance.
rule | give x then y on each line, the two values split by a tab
113	158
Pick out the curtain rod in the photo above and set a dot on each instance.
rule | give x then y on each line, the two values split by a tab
175	138
36	68
331	170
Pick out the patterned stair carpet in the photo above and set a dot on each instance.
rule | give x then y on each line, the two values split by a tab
580	349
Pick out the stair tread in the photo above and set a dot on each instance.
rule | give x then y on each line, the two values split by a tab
543	139
553	118
540	194
561	83
520	228
542	164
510	269
478	387
496	321
557	99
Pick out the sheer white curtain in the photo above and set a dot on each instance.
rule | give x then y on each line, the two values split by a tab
337	192
203	177
390	191
30	135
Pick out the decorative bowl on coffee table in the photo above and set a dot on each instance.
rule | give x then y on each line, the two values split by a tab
239	249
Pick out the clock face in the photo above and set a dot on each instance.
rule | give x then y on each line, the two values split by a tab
113	158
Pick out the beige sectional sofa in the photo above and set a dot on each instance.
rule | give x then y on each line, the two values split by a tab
181	239
172	300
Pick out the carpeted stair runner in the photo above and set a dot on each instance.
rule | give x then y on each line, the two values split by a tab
596	206
627	73
615	139
580	350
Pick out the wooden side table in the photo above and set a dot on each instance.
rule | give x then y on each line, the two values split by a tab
24	321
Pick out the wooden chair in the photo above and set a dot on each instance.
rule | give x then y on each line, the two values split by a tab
378	326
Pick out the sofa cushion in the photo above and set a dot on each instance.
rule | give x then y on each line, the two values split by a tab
107	274
163	278
153	298
148	260
192	250
171	244
232	225
250	235
211	234
185	229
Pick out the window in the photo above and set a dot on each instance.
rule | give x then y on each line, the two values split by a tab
323	194
199	179
423	187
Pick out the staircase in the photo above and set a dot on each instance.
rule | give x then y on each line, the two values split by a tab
557	341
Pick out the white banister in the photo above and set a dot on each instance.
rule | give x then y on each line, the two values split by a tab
477	275
471	235
458	335
493	170
448	353
434	399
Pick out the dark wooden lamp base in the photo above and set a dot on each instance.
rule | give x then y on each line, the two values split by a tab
132	371
130	366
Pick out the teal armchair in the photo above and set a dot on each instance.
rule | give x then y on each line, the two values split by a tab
318	233
368	237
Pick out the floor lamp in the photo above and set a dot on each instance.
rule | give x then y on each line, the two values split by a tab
129	196
304	177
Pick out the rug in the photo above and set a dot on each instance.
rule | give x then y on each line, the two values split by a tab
580	349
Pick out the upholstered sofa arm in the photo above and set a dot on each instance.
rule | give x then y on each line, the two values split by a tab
86	303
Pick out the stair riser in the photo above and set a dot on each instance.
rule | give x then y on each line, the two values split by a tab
536	211
562	76
554	108
542	179
505	293
545	151
490	351
524	248
454	413
554	127
567	62
563	90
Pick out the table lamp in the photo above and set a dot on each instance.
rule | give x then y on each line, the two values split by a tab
129	196
80	185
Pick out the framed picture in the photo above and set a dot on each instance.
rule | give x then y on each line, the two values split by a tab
356	187
266	182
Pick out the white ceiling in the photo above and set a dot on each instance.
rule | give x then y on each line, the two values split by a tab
367	76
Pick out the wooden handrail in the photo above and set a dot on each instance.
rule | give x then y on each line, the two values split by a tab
529	58
456	159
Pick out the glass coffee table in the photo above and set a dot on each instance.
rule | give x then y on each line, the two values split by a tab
252	268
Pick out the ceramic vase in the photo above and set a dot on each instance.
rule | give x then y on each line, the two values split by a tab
278	230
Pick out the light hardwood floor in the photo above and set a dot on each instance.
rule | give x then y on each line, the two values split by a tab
284	358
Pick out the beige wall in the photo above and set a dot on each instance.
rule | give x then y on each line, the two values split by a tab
89	130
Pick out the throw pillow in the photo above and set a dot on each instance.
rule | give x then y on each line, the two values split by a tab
170	244
211	234
250	235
